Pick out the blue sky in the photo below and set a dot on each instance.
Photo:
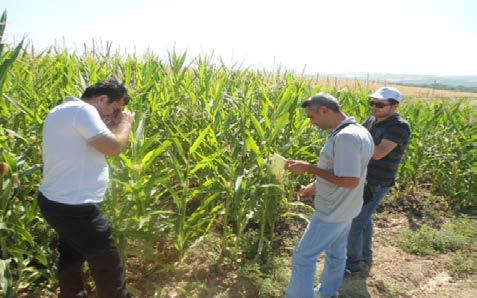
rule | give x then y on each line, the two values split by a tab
408	36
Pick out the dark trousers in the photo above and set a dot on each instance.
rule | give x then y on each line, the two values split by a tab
85	235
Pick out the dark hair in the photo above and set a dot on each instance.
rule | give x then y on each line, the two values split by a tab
322	100
392	101
113	89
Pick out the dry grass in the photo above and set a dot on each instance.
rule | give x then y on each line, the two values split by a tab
407	90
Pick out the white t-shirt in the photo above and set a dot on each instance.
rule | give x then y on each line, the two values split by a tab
74	172
345	154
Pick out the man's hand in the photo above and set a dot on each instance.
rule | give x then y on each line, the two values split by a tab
307	192
113	144
298	166
125	116
120	116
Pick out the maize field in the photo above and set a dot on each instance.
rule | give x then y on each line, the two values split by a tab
197	161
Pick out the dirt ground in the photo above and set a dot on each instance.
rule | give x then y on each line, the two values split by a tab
394	273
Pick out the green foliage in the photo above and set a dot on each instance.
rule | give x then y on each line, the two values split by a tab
441	152
270	279
395	289
23	247
197	159
450	237
464	263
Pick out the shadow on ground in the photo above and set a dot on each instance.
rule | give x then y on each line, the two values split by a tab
355	285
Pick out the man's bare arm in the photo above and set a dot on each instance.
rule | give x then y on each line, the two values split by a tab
113	144
301	167
383	149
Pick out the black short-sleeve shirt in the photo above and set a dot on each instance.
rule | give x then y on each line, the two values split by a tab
394	129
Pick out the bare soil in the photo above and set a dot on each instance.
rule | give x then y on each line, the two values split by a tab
394	273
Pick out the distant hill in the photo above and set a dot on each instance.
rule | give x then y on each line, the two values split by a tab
456	83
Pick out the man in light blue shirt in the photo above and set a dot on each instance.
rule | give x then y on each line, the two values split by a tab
338	193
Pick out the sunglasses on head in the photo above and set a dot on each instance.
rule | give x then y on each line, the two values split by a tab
378	105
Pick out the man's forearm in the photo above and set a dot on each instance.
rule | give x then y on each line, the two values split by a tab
122	133
350	182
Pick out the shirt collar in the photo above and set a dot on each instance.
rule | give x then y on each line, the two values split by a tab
389	119
349	120
72	98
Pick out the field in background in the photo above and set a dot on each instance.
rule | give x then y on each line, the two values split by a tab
420	92
196	169
196	165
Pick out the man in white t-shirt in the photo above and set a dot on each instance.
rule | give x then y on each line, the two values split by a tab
76	141
338	194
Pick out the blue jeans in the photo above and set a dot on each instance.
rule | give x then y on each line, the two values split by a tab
320	236
360	240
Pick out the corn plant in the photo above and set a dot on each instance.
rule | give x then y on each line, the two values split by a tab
196	163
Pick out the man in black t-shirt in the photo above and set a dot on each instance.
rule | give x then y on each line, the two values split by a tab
391	135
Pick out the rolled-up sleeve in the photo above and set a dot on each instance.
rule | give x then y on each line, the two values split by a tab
89	123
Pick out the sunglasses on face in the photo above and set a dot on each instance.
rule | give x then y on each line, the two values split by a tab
378	105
